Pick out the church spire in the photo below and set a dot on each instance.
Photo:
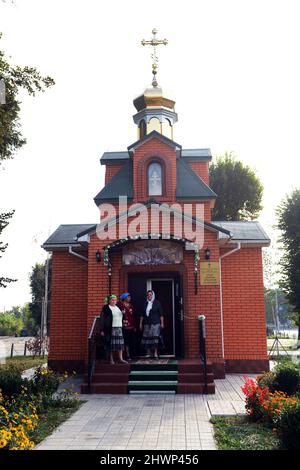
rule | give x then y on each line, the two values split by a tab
154	42
155	111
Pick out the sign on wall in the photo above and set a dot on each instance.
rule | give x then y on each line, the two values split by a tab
209	273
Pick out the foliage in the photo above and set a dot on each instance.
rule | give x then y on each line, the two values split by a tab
289	426
54	414
37	345
23	362
18	419
284	378
45	382
267	380
37	285
285	310
288	214
9	324
287	377
10	380
16	320
4	221
278	409
255	396
15	78
274	405
34	411
237	433
238	189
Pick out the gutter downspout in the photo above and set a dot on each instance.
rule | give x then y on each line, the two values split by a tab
238	247
77	254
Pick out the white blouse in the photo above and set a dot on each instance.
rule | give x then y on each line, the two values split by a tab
117	316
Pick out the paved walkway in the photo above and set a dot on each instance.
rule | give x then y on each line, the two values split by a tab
158	421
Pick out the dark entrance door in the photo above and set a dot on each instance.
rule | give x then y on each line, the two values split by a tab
167	288
164	292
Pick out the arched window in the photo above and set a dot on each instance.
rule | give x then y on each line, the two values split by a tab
154	125
155	179
142	127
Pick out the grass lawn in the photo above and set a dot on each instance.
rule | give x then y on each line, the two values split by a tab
23	363
52	418
237	433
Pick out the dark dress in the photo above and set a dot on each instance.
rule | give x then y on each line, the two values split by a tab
113	336
129	326
151	331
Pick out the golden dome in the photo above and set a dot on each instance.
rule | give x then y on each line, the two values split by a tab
153	98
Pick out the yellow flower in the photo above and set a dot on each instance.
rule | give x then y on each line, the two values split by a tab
3	443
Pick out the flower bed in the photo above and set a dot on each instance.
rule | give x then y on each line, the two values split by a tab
26	404
268	402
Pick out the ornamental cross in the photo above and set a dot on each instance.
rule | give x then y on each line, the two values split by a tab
154	42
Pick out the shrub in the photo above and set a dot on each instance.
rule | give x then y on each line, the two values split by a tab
287	377
44	382
10	381
267	379
274	404
37	345
289	426
255	397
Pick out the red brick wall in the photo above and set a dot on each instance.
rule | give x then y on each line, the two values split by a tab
142	157
111	170
201	169
68	307
205	302
243	305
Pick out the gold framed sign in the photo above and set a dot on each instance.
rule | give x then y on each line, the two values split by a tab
209	273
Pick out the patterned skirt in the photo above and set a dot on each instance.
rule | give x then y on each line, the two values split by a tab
151	334
116	340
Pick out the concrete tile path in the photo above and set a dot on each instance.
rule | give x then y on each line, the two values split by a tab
158	421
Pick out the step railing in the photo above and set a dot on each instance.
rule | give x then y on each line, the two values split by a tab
92	349
202	347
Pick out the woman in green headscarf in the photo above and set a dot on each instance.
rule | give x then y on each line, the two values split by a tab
111	328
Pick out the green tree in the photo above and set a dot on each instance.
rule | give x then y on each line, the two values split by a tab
12	80
37	285
238	189
4	221
10	324
288	214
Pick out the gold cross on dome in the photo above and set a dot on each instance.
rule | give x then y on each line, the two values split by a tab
154	42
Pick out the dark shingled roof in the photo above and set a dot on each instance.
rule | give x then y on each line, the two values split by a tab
197	154
113	157
66	234
157	135
121	184
187	154
189	185
249	230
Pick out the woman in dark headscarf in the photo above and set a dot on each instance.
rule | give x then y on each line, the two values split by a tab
111	319
153	320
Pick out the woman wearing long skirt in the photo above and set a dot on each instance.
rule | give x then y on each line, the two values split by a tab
111	319
152	320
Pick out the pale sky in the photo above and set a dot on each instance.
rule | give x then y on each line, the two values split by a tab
232	66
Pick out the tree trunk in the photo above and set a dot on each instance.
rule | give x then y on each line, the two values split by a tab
298	342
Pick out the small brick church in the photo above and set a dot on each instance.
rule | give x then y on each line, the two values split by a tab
221	279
